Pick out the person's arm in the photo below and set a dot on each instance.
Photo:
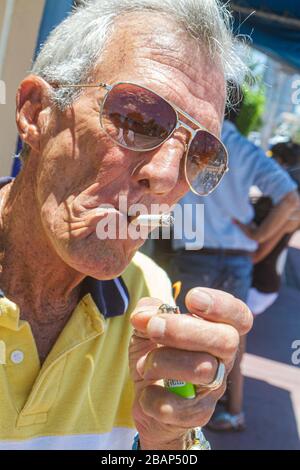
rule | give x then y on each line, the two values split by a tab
265	248
283	218
274	182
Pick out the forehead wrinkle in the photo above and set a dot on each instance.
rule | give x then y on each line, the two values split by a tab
165	59
188	73
136	32
181	49
135	38
190	84
191	89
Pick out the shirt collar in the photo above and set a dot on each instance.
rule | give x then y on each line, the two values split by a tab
111	297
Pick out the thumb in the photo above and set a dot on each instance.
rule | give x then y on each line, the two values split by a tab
146	309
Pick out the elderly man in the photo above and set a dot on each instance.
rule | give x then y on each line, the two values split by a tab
67	319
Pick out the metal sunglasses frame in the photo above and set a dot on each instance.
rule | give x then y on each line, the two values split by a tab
178	111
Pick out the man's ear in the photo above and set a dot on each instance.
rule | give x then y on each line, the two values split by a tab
33	97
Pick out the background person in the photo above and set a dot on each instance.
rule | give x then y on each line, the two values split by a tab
270	258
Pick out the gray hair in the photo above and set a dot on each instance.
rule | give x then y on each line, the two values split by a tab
73	48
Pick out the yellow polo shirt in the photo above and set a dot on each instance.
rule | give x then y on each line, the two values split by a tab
81	397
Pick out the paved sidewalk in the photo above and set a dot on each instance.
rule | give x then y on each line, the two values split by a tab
272	386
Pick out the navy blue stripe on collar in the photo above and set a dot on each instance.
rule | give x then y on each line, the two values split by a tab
111	297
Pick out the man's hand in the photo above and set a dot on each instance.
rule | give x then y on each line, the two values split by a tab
183	347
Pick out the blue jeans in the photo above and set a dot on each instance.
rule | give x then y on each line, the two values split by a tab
231	274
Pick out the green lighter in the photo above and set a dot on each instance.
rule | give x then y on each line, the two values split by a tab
183	389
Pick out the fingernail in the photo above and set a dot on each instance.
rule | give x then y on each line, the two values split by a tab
201	300
146	311
156	327
141	365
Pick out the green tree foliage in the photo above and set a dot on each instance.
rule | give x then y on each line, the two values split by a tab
251	115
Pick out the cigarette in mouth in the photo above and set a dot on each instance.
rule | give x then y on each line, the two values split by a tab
153	221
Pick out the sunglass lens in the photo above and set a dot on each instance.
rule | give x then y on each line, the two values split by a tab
206	163
137	118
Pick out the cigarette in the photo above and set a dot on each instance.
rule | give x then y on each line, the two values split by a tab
153	221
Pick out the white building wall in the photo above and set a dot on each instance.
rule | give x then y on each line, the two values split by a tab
18	35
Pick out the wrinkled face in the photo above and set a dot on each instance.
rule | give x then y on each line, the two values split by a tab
80	168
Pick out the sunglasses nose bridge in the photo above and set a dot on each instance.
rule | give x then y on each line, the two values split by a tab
191	132
183	124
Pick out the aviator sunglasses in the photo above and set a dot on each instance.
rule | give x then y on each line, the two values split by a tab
141	120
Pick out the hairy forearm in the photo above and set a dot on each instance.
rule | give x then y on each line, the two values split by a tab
279	218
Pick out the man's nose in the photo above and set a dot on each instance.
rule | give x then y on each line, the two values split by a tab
162	168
